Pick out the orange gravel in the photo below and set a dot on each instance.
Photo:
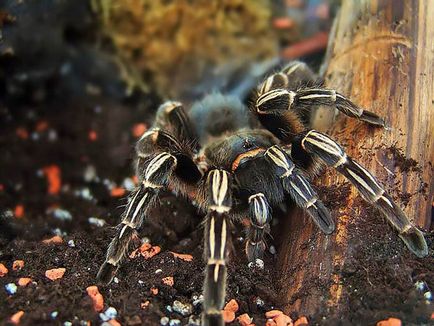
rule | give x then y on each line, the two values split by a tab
273	313
97	298
15	319
168	280
228	316
41	126
302	321
19	211
245	320
55	273
22	133
139	129
390	322
151	252
185	257
17	265
24	281
283	320
232	305
117	192
3	270
92	135
54	180
56	239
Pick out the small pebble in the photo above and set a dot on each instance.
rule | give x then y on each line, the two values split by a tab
24	281
54	314
96	296
17	265
116	280
84	193
194	321
62	214
103	317
15	319
3	270
197	299
168	280
158	271
164	321
244	320
184	309
174	322
96	221
232	305
111	312
428	295
128	184
259	302
71	243
55	273
259	263
67	323
272	250
89	173
420	285
11	288
169	308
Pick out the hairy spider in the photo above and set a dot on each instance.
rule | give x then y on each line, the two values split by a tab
237	165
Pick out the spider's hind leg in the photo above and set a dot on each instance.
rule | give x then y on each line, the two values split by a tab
327	150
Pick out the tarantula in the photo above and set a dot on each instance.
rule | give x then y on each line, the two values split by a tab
237	165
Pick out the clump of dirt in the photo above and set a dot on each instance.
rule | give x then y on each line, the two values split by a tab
402	162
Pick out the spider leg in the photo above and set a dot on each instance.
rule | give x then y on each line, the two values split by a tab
278	101
294	75
171	116
299	188
260	216
155	173
328	151
216	238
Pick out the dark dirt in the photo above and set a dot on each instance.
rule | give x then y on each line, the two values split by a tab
174	226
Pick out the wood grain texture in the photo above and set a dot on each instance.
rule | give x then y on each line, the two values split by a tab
382	58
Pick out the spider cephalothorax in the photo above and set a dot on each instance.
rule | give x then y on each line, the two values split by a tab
236	166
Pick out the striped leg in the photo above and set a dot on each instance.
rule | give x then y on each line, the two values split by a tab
334	155
260	216
329	97
299	188
281	99
216	238
156	171
291	77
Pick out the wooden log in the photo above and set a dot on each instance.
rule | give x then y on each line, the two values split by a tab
381	56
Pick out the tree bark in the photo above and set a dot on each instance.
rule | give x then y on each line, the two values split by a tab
381	56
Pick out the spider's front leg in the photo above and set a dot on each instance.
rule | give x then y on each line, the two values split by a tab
260	216
219	183
299	188
156	170
327	150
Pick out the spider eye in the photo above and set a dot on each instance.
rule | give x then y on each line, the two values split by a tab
277	99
